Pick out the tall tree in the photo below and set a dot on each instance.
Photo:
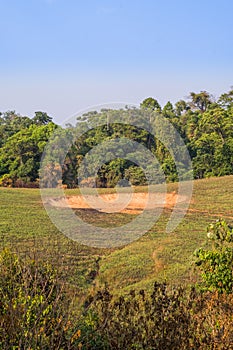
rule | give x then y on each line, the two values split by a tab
200	101
226	99
41	118
151	103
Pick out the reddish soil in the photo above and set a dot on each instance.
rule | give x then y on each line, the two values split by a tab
124	203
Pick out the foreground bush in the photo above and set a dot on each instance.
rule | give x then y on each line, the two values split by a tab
35	313
213	314
143	321
216	263
165	319
34	309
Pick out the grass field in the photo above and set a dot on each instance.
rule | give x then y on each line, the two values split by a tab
25	226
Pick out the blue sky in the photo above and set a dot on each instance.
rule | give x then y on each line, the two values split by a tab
61	56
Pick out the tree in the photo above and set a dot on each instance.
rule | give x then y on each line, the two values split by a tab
10	123
20	156
212	143
226	99
41	118
200	101
168	110
181	106
151	103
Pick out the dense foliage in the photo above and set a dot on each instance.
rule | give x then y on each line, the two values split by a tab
22	142
167	318
34	308
36	313
205	124
216	263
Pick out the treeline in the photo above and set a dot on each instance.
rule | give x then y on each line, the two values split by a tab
22	142
204	123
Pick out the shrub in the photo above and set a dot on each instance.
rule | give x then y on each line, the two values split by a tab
213	316
6	181
34	309
166	319
216	263
161	320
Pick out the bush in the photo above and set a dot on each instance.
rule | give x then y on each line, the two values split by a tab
36	312
213	316
6	181
161	320
34	309
216	263
175	319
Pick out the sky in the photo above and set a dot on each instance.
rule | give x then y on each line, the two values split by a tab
63	56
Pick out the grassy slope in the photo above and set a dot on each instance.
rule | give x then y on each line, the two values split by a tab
169	257
27	229
157	255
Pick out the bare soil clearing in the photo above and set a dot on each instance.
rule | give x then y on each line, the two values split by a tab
127	203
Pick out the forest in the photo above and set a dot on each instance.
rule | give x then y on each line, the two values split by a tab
204	123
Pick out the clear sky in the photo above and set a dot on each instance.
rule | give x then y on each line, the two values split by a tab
61	56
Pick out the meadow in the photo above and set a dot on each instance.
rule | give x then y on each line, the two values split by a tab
157	255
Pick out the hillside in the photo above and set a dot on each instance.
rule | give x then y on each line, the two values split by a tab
25	226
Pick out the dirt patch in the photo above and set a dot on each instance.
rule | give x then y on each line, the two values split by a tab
157	255
124	203
159	265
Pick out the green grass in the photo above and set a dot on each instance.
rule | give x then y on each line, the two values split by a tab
25	226
161	256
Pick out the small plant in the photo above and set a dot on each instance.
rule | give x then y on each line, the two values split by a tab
216	263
